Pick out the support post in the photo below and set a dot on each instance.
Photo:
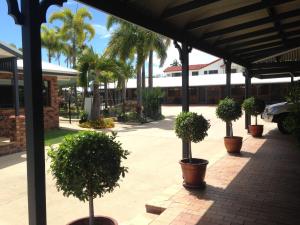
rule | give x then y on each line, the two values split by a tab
228	89
16	87
247	95
292	78
184	51
34	112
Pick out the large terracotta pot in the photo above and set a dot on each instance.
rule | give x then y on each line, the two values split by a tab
193	172
99	220
256	130
233	144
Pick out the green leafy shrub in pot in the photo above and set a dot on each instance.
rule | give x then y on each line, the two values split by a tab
254	107
228	110
87	165
191	127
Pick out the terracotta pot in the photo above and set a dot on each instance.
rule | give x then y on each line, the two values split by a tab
99	220
193	172
233	144
256	130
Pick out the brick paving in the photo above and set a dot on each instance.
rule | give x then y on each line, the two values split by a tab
259	187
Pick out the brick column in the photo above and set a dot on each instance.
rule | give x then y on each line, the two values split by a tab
18	132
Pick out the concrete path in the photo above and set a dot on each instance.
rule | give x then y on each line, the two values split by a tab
153	166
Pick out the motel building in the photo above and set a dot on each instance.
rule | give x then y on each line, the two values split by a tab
207	84
12	119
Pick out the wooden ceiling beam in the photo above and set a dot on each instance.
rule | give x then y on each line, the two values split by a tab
258	33
277	23
250	24
233	13
186	7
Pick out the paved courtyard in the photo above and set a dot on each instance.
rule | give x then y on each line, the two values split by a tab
153	167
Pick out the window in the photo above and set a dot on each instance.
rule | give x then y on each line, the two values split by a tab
212	71
233	70
7	99
195	73
205	71
176	74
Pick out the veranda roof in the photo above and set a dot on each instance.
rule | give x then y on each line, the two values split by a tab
244	32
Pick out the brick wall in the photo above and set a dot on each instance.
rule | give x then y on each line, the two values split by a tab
51	113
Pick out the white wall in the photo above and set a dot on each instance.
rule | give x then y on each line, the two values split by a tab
218	65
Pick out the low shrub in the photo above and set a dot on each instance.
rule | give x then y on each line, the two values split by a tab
83	117
152	99
101	123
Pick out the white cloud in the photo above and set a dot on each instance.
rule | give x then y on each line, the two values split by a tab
102	31
195	57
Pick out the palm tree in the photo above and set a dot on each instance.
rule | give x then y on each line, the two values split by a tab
50	40
158	44
97	69
74	29
127	40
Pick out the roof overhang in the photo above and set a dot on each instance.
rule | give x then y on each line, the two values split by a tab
243	32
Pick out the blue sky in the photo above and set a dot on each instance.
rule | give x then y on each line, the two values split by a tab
11	33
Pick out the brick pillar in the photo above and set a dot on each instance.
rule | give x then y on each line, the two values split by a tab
18	132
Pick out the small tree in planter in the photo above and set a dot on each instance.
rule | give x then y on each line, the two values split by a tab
191	127
87	165
228	110
254	107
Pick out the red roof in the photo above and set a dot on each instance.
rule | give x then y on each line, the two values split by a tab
191	67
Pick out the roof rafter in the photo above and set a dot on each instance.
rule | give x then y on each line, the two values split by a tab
262	32
186	7
250	24
262	40
277	24
233	13
258	56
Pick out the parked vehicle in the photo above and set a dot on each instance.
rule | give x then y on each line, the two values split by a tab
277	113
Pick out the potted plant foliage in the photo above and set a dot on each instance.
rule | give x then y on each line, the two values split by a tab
191	127
87	165
228	110
254	107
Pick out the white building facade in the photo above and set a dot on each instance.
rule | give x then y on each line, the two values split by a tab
214	67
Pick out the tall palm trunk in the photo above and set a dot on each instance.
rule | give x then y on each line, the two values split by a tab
143	77
150	69
124	91
49	56
106	94
138	89
95	112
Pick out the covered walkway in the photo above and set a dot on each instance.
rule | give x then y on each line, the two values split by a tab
259	187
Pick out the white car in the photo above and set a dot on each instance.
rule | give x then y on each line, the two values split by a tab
276	113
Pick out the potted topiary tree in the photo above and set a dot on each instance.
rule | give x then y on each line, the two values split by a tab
228	110
191	127
87	165
254	107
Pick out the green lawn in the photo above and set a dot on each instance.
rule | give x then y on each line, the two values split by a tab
56	136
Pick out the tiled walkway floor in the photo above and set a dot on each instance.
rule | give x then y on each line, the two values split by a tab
259	187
